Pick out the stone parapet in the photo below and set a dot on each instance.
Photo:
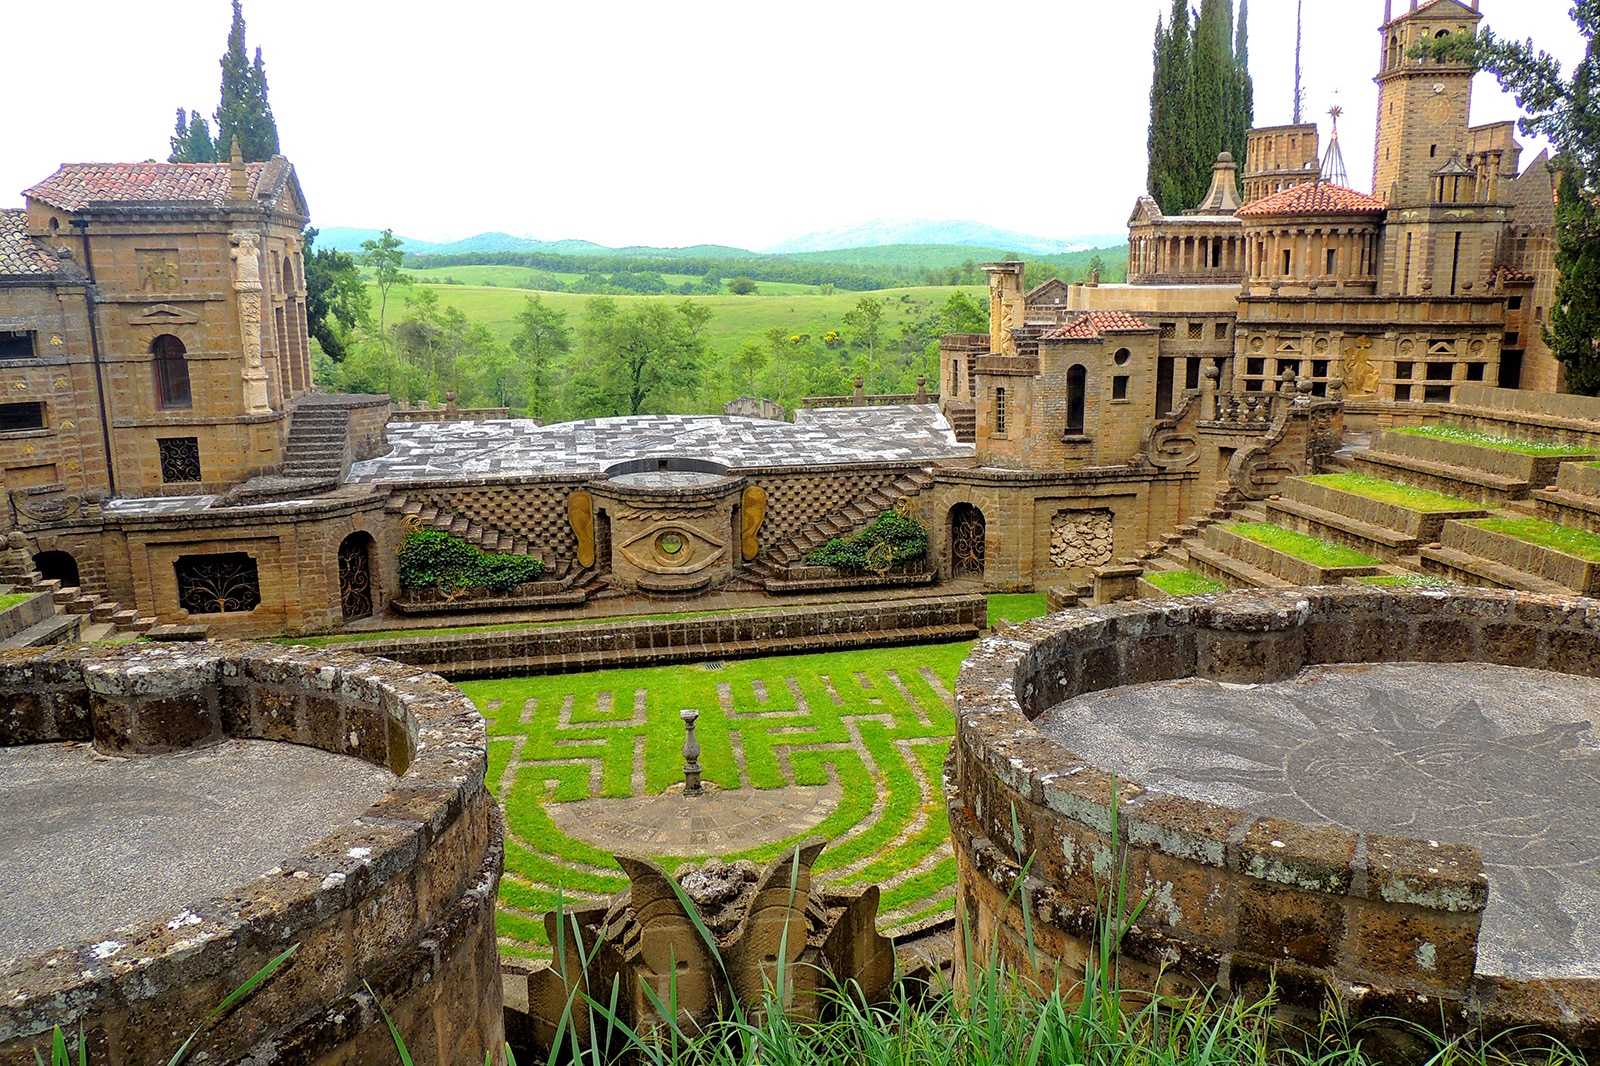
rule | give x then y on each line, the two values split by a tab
1386	924
400	899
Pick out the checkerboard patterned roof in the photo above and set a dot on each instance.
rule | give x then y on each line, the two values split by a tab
77	185
19	255
1315	198
1092	324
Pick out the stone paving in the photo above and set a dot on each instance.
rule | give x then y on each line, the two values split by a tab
511	447
1503	759
849	746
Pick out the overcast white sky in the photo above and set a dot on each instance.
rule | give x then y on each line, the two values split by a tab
671	123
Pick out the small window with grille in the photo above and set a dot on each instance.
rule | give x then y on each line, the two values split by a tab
180	459
16	417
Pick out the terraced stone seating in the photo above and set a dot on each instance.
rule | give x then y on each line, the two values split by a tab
1239	561
1474	553
1518	413
1387	530
1574	500
1488	475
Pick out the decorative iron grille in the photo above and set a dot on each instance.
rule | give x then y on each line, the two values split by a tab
967	540
218	584
180	459
355	578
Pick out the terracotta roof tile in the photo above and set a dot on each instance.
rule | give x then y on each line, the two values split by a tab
19	255
1315	198
1092	324
77	185
1511	273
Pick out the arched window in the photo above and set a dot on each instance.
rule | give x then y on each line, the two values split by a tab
172	372
1077	390
288	275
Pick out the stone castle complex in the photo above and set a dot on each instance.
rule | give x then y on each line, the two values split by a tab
169	469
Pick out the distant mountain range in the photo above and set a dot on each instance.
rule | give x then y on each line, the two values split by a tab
877	233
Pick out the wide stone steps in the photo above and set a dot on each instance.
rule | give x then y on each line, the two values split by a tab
1235	573
429	516
1467	569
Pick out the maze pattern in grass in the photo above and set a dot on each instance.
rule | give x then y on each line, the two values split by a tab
878	721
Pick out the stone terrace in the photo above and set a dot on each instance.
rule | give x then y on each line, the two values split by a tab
514	447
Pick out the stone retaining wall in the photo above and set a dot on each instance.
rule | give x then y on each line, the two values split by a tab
401	898
1575	573
736	635
1290	568
1582	479
1537	470
1418	525
1387	924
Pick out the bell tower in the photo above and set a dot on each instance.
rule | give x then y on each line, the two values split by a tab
1423	104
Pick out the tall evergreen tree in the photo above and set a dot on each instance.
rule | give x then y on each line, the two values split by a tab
244	112
191	140
1201	100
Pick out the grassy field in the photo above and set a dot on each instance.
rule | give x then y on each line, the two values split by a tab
1460	435
1546	534
736	319
1300	545
1184	583
515	277
1392	492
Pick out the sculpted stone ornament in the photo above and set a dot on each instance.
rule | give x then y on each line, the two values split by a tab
247	283
752	512
646	939
580	515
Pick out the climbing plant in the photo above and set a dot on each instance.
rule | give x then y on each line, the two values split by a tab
905	537
434	559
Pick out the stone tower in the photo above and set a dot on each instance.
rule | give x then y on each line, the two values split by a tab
1422	104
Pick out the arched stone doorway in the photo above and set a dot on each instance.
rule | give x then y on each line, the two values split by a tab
355	576
967	533
57	566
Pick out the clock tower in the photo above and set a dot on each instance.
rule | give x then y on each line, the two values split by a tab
1422	104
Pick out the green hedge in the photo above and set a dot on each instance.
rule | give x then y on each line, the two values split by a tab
434	559
905	535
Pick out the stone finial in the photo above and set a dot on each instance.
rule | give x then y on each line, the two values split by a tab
238	181
691	753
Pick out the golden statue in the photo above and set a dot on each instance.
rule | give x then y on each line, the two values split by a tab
580	513
752	512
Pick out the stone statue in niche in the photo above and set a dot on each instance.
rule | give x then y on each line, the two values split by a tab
247	283
580	515
752	512
645	938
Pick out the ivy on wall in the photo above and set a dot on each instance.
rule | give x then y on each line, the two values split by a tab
905	536
434	559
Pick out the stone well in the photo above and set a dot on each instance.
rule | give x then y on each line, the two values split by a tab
343	800
1388	794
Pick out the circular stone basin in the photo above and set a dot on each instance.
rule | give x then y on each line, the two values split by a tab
1494	757
719	822
160	832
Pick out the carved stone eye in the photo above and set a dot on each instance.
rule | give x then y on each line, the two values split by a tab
670	543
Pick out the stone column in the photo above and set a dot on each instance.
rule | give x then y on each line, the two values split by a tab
247	283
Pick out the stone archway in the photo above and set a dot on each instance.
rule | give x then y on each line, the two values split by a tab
355	576
57	566
967	534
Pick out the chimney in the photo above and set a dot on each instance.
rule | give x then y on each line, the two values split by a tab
238	183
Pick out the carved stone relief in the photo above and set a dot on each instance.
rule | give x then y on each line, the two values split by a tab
1081	538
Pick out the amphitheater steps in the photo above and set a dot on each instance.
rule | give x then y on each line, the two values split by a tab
1492	489
1465	569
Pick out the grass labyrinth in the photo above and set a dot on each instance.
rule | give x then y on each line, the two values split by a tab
878	722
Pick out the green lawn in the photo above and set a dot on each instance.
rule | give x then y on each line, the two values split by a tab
877	721
532	280
1392	492
735	319
1461	435
1546	534
1017	608
1301	546
1184	583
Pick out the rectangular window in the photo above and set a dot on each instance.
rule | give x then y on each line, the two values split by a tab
1333	261
1119	387
999	410
1197	331
1475	371
1441	371
1436	394
1169	330
1402	394
1402	370
1514	303
1255	367
17	344
1512	339
15	417
217	584
1288	262
180	459
1319	368
1222	331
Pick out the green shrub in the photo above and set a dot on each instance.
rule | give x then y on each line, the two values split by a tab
434	559
905	535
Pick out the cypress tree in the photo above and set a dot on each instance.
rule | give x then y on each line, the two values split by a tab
1172	112
191	140
1574	330
1244	89
1211	87
1201	100
244	112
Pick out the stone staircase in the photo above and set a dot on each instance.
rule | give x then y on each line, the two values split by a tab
77	615
426	514
1438	537
782	568
964	420
318	444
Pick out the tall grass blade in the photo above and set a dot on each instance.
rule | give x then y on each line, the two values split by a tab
394	1030
233	997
